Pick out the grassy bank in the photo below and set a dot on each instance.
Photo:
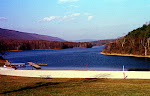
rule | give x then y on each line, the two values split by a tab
22	86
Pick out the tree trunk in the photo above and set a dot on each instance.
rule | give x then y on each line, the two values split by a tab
145	51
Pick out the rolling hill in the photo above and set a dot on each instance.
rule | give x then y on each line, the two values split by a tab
15	40
6	34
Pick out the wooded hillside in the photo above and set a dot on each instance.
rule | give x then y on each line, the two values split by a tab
15	40
136	42
40	45
6	34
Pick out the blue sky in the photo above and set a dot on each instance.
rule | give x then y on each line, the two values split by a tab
75	19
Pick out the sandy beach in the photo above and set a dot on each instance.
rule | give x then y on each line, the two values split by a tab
78	74
116	54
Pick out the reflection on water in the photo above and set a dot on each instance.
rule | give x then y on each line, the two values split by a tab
77	59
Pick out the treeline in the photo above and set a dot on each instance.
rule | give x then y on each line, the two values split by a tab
40	45
136	42
101	42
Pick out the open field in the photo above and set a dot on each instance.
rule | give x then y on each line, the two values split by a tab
27	86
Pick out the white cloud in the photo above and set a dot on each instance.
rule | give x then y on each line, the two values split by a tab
65	17
73	6
90	18
65	1
75	14
61	18
50	18
69	17
3	18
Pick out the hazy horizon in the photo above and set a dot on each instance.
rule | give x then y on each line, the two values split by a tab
75	19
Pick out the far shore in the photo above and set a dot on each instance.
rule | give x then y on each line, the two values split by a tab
37	49
51	49
116	54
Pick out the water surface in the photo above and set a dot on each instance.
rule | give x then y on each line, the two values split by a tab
76	59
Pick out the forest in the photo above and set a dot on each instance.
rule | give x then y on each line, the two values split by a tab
136	42
39	45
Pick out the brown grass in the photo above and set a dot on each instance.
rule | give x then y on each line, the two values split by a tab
23	86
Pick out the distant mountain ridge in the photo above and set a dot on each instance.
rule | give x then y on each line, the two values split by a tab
84	40
7	34
102	42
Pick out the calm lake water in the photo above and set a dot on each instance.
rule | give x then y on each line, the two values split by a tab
76	59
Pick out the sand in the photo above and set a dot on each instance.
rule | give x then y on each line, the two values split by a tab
78	74
116	54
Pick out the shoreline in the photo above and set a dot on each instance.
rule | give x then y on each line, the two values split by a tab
78	74
51	49
129	55
36	49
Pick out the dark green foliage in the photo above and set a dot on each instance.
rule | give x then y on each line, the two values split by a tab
130	51
3	48
144	27
22	47
64	46
140	31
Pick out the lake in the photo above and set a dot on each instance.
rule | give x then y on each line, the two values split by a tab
76	59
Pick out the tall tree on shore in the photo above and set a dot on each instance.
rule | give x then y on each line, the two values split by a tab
3	48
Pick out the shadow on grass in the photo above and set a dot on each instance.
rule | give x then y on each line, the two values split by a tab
89	80
39	84
102	76
70	83
79	82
